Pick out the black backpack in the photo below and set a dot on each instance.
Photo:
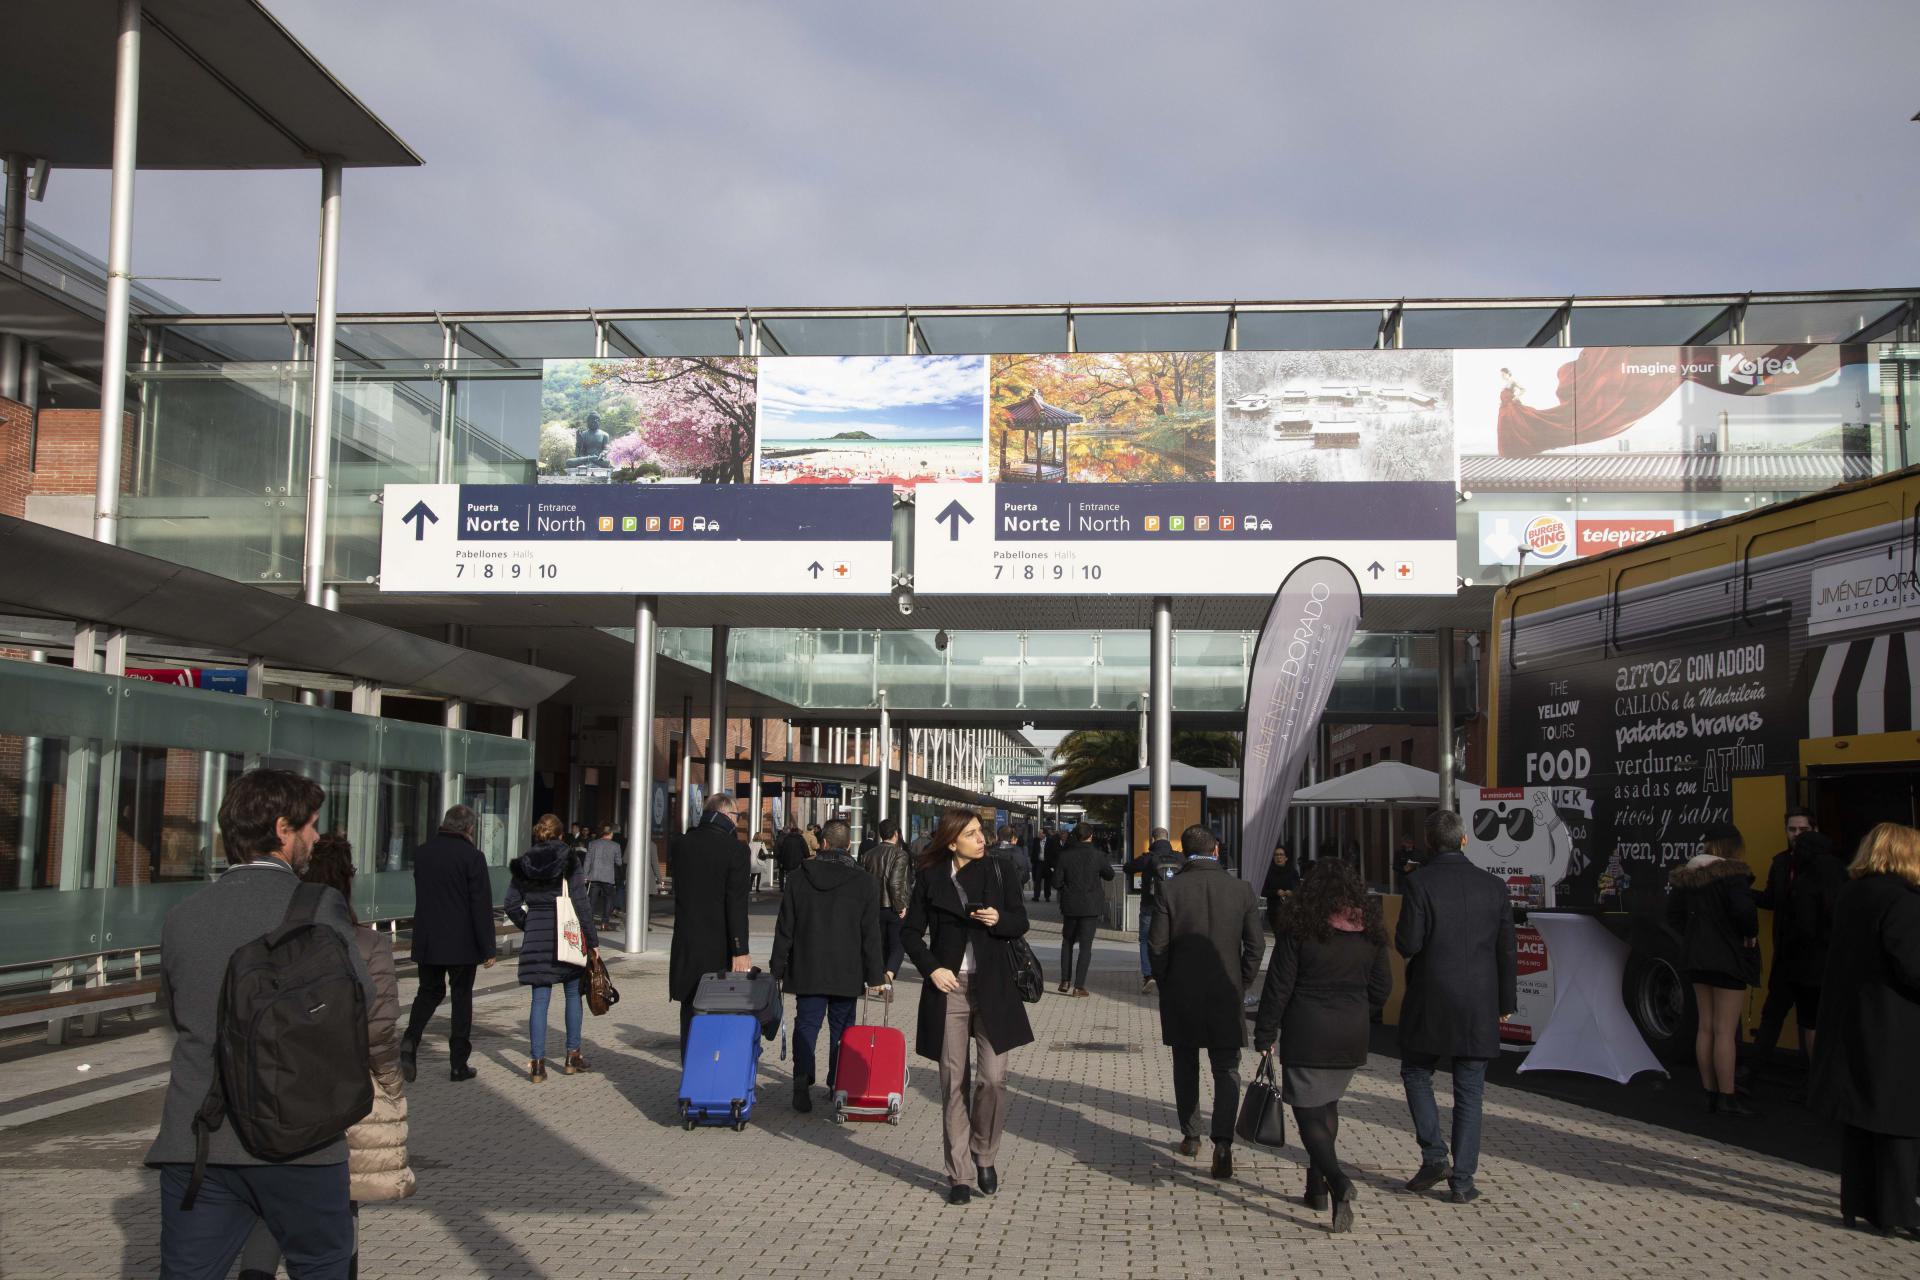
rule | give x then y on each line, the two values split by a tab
290	1053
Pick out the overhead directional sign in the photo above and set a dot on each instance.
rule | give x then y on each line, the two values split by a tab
638	539
1180	539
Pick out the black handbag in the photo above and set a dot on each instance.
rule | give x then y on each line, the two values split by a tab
1262	1117
1029	979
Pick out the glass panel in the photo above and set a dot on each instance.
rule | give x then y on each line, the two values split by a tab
200	342
705	336
219	468
1060	669
1209	670
912	670
1018	335
834	335
1124	669
1308	330
985	668
1812	321
1473	326
153	763
1152	331
496	436
386	430
1649	326
522	340
376	342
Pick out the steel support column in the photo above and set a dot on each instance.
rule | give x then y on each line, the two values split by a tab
320	419
883	748
755	777
113	345
1443	712
1160	709
717	715
640	858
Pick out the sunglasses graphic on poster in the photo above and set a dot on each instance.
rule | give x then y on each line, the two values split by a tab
1516	832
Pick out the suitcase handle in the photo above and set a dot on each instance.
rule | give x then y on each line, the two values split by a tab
886	1018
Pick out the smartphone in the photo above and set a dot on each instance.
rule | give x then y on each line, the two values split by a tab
975	906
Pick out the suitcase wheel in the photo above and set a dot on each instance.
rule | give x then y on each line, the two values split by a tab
734	1113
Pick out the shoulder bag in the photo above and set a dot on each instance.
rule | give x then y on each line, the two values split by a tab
1029	979
1262	1118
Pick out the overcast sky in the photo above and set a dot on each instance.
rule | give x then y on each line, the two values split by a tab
620	154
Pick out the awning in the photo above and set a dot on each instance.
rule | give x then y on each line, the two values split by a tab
1780	470
55	574
1865	686
1390	783
222	86
1219	786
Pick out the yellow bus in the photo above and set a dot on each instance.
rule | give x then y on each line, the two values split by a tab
1719	674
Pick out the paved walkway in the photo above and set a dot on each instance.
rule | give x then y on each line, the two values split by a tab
590	1176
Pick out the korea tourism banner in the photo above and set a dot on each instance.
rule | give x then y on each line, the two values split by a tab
1157	472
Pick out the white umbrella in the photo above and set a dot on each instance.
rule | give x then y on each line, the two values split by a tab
1388	783
1218	786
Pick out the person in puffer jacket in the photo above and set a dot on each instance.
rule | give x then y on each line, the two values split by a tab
540	876
377	1167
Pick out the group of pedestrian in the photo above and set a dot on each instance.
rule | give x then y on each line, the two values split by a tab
1846	945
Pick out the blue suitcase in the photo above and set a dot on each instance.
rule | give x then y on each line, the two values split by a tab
723	1063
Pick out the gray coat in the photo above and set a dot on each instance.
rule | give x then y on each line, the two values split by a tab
602	861
199	937
1205	945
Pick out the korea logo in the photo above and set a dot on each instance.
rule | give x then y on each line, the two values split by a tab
1546	537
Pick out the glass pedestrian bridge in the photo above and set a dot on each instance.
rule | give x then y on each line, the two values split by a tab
1386	677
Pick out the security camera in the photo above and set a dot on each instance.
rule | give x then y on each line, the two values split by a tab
904	603
941	639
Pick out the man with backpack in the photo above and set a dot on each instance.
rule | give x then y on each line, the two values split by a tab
1154	867
225	1161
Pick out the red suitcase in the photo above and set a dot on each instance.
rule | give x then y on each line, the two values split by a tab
870	1082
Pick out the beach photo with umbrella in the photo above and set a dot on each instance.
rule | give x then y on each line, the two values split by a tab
899	420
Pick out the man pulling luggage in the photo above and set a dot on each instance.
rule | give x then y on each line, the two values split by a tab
827	947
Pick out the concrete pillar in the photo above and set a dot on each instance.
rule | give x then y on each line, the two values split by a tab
640	859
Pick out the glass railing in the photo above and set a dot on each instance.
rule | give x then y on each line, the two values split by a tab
110	790
1386	673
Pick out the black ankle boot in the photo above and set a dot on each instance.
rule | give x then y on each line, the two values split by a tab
1316	1196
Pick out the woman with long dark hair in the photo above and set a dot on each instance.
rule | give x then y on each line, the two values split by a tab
1327	981
1710	905
540	876
965	910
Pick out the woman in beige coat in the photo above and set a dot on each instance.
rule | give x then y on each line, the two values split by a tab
377	1146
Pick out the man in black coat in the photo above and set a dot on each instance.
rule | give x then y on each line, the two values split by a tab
1456	931
827	948
1205	948
1803	888
452	936
1040	857
711	883
1081	868
791	851
1157	865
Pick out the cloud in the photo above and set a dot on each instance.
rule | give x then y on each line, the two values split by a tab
609	154
868	384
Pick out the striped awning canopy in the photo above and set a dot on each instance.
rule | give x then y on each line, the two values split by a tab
1031	413
1790	470
1865	686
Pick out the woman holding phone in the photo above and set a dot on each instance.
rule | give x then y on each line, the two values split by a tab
965	908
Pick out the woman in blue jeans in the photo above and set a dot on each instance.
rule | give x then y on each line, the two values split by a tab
540	876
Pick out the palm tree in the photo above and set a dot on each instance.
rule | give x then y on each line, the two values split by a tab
1088	755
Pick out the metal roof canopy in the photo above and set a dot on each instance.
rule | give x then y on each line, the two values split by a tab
867	775
222	86
51	573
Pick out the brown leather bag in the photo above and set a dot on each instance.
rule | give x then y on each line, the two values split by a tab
602	995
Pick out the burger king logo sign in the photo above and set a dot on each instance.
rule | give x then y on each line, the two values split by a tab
1546	537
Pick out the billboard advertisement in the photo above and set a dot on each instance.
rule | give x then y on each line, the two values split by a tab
1555	537
898	420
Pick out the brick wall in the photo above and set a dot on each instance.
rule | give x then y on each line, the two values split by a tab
16	438
68	460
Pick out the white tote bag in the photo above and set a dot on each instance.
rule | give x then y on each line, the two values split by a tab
569	940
